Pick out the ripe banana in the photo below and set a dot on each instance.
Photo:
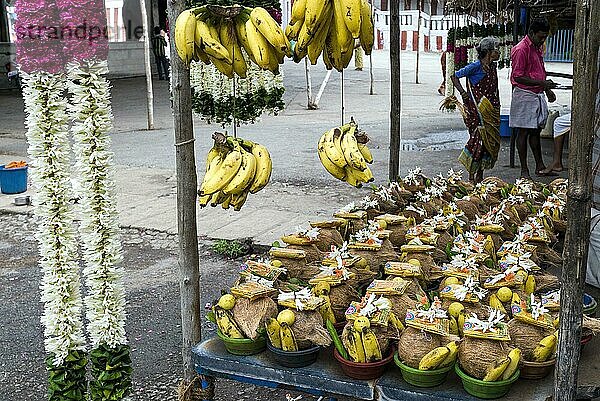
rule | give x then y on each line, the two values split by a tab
313	13
237	201
353	344
371	345
330	166
352	16
226	171
495	371
545	349
227	326
288	340
397	323
317	44
270	29
434	358
365	152
496	304
203	200
259	46
244	176
461	323
530	284
351	152
451	357
185	27
325	310
453	326
292	31
333	152
264	166
514	356
333	49
217	198
200	55
210	44
227	34
344	36
242	36
298	11
223	66
367	32
226	202
273	332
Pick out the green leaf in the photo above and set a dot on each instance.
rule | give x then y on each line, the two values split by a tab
210	316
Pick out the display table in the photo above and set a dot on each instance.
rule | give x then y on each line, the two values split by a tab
325	377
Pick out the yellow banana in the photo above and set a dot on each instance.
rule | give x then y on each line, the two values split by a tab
273	332
367	32
397	323
361	176
203	200
330	166
451	357
238	200
453	326
211	169
227	326
325	310
344	36
545	349
264	166
352	16
353	343
365	152
326	58
288	340
283	253
313	13
295	240
242	36
210	44
333	49
275	58
515	356
530	284
434	358
351	152
333	152
244	176
371	346
495	371
516	299
270	29
223	66
184	35
298	11
496	304
292	31
200	55
316	46
351	177
227	170
227	34
461	322
259	46
217	198
226	202
347	55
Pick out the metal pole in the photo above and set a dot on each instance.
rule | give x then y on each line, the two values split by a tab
395	101
418	40
149	95
185	161
586	68
371	78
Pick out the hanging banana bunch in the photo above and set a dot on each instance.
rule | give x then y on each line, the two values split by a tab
227	36
234	168
330	28
344	157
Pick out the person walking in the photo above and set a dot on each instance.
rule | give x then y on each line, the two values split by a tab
481	109
159	46
528	108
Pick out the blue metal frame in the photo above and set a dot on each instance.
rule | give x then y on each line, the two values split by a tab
559	47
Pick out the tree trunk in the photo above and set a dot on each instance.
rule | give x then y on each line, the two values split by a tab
185	162
394	162
585	89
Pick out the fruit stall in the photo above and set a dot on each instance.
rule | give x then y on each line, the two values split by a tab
426	288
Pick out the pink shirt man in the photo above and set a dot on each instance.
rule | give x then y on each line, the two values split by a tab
527	61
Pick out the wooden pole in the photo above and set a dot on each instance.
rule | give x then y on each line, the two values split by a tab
371	77
149	95
394	162
579	200
309	102
418	40
185	162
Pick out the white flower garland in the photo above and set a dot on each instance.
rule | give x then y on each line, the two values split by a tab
449	73
47	134
91	114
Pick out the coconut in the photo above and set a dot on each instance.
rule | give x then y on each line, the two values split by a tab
313	254
402	303
416	216
430	207
376	259
252	314
494	180
309	331
340	297
328	237
385	336
414	344
476	355
300	269
479	308
397	234
428	266
549	256
469	208
526	336
545	282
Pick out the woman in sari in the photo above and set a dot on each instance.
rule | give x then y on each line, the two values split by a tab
481	110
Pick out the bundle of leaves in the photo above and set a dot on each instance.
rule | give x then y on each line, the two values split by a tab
67	381
112	369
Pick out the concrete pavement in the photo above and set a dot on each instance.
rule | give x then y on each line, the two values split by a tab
300	189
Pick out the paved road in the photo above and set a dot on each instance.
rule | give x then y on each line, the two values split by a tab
300	188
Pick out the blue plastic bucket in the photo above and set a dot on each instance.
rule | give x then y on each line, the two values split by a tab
505	130
13	180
